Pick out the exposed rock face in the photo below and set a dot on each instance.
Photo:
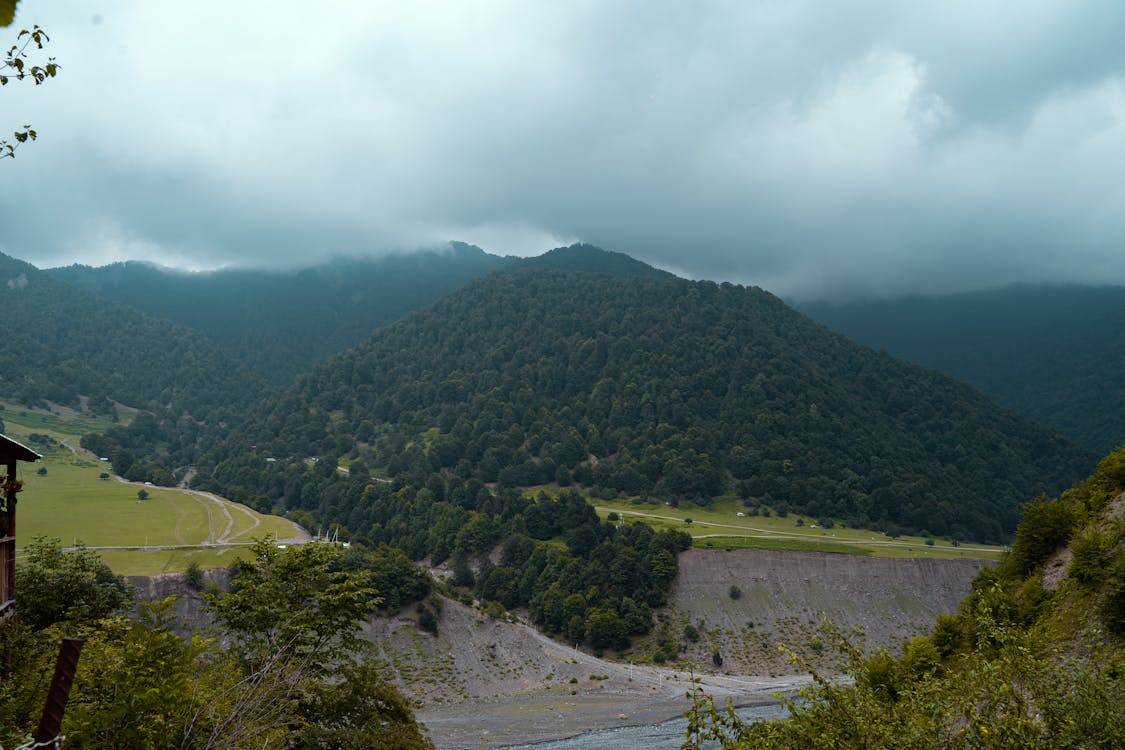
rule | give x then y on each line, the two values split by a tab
189	603
783	596
479	673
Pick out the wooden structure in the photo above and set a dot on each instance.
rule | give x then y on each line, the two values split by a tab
11	453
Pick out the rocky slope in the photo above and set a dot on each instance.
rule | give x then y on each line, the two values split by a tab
494	681
482	679
783	596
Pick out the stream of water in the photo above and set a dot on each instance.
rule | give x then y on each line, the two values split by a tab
668	735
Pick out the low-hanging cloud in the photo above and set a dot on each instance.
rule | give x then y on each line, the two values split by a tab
810	148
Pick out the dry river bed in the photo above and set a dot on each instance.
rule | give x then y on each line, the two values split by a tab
655	696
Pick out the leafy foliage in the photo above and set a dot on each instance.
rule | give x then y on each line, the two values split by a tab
290	672
66	587
15	66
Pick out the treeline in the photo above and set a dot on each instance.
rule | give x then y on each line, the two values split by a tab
283	323
675	389
1033	658
591	581
76	349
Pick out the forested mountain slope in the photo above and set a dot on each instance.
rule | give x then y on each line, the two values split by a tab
684	390
73	348
283	323
1056	354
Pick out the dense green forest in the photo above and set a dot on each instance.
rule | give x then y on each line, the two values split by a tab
72	348
1055	354
681	390
283	323
1033	658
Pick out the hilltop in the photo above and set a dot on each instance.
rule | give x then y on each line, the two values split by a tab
281	323
67	347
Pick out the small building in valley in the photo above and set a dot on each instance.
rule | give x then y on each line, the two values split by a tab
11	453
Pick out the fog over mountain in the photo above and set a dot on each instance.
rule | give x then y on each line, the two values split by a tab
815	149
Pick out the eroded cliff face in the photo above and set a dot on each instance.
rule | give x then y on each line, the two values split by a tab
190	616
782	597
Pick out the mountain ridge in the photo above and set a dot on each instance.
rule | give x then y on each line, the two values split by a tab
283	322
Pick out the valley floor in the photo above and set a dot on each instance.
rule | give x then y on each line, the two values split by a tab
485	682
540	717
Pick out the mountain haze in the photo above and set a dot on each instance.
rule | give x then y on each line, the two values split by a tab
685	390
71	347
282	323
1055	354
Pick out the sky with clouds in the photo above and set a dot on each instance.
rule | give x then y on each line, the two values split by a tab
813	148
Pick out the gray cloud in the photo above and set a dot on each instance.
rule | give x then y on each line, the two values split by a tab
812	148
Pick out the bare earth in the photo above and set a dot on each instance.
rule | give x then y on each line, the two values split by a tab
485	683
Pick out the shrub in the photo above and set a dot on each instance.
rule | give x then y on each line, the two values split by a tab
193	576
1044	526
1087	564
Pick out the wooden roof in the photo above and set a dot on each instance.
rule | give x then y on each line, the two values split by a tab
11	451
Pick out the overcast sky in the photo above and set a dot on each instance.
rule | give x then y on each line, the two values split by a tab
815	149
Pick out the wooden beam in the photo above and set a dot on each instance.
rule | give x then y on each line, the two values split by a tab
51	721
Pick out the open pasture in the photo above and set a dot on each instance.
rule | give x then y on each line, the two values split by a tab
163	532
721	527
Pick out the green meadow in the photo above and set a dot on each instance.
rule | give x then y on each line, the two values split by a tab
721	527
164	532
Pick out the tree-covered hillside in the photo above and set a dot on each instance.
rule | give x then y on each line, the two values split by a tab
683	390
1055	354
283	323
73	348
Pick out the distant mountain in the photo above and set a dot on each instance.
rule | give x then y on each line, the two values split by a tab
590	259
71	347
282	323
684	390
1056	354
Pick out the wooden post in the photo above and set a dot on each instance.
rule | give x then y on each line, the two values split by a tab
8	584
51	721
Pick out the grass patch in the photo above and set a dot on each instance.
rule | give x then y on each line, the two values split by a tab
73	504
61	420
721	521
141	562
789	545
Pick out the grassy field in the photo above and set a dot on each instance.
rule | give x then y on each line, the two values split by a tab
721	527
162	533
